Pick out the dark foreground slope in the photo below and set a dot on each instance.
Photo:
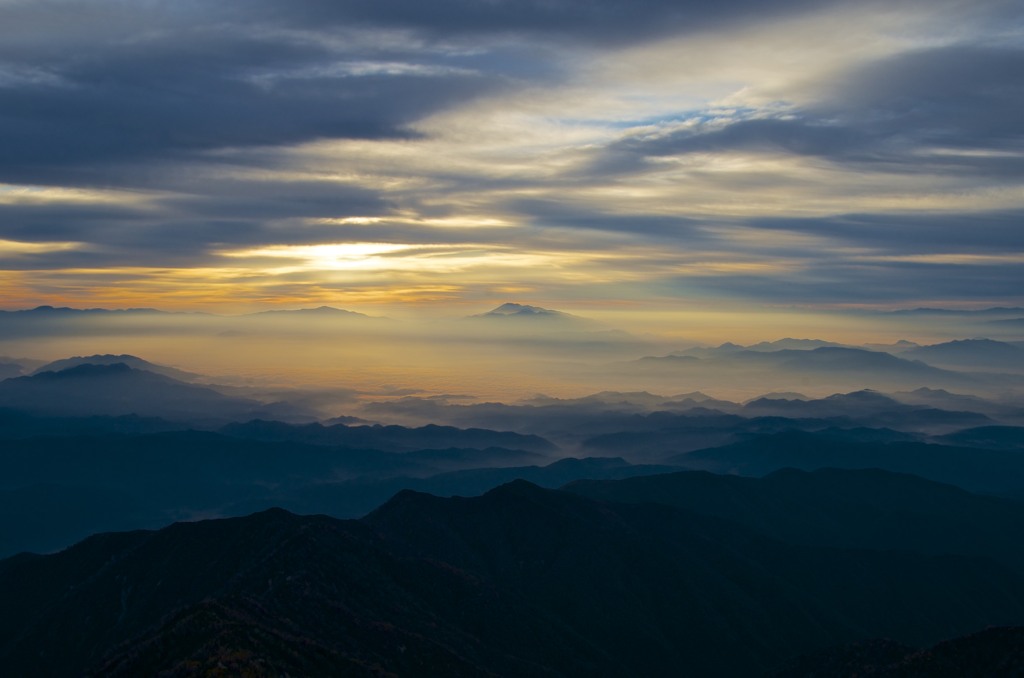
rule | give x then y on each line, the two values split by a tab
521	581
840	508
991	653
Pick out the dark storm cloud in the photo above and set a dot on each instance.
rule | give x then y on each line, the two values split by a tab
912	112
972	232
99	88
554	214
603	20
837	281
96	89
798	137
269	200
49	133
968	96
84	88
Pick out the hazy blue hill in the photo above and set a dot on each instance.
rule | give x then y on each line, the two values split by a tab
389	438
60	321
27	364
521	581
318	312
107	359
702	433
789	343
728	348
868	408
971	353
117	389
637	401
59	311
975	469
839	359
836	367
668	360
941	398
840	508
10	369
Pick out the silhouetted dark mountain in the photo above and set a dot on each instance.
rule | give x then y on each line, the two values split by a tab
15	424
187	474
839	508
388	438
117	389
975	469
660	435
108	359
357	497
522	581
46	517
990	437
971	353
992	653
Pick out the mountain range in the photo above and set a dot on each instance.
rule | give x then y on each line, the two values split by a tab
520	581
618	533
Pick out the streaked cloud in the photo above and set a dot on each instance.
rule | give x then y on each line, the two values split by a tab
811	153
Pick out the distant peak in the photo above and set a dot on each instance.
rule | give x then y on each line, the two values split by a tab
87	370
863	395
511	308
517	488
516	310
319	310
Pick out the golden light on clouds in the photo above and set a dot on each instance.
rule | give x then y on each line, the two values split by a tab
329	257
13	247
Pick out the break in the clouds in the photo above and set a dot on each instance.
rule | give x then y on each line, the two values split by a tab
240	154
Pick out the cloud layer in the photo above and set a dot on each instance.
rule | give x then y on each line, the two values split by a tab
386	154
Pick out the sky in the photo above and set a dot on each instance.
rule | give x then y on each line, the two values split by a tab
397	156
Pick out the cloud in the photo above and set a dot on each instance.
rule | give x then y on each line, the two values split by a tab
900	233
583	149
943	110
604	21
159	93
